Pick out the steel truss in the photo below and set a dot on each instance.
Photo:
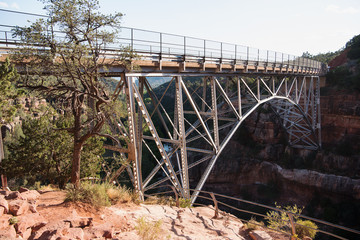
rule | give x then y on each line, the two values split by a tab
195	125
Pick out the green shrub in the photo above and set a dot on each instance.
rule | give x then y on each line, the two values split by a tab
13	220
148	230
306	228
185	203
279	220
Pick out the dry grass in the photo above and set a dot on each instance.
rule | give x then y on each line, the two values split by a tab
121	195
160	200
148	230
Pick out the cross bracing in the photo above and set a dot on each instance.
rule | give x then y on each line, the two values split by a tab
188	123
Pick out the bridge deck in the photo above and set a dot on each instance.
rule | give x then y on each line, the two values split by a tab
168	53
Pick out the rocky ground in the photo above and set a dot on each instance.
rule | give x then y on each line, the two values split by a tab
30	214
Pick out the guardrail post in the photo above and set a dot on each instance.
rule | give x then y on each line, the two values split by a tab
221	51
6	39
215	205
235	52
176	196
132	39
204	48
184	47
293	230
247	55
160	44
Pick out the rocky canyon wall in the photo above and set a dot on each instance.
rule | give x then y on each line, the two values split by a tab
257	165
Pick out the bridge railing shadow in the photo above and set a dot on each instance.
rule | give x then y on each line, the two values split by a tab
247	211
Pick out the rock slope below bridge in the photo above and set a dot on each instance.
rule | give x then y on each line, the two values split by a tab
30	215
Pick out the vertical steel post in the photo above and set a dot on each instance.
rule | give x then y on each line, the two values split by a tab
182	138
239	96
273	85
313	103
214	113
258	88
296	91
139	130
204	95
133	153
319	110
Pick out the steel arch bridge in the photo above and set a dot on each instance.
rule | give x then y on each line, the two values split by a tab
202	117
192	128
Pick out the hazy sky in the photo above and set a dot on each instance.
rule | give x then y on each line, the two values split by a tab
282	25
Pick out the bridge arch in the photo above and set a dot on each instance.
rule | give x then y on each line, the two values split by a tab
184	118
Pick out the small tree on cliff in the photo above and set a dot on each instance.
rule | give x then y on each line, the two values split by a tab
64	56
8	96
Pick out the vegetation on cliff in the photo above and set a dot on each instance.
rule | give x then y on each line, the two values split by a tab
74	59
344	72
39	152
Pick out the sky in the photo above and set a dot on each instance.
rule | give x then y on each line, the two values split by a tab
287	26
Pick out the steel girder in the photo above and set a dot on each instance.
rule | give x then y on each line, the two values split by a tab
188	123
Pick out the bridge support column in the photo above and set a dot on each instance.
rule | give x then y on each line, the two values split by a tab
133	145
182	138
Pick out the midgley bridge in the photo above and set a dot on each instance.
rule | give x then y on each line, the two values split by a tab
193	128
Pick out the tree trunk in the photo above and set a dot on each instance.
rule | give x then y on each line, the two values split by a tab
75	172
3	177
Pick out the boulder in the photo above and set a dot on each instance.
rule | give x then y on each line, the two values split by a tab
73	233
18	207
32	206
48	230
4	193
260	235
105	230
22	189
14	195
29	221
49	234
4	222
30	195
8	233
4	204
79	222
38	226
26	234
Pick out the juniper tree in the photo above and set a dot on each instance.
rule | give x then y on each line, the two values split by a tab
64	58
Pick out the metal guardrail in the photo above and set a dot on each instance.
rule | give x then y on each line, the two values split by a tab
214	198
152	45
